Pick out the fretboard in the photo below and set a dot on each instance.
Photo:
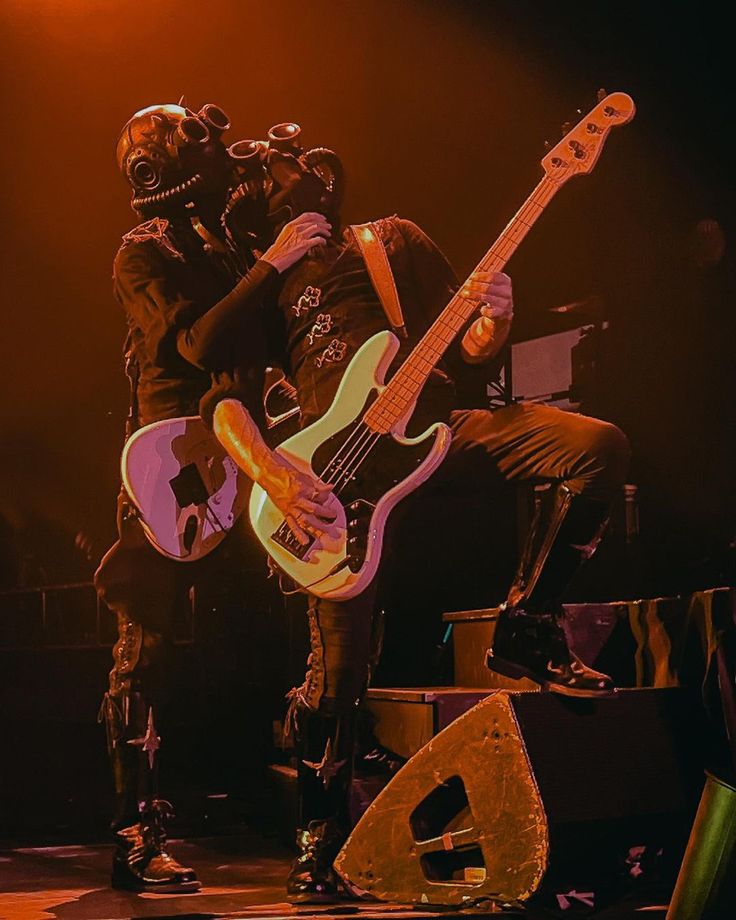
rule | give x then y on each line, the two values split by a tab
404	387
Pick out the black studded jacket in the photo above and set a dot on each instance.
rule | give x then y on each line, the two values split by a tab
193	316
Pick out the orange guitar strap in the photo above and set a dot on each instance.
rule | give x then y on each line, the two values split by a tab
376	261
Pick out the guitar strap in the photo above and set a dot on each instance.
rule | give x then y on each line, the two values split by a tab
376	261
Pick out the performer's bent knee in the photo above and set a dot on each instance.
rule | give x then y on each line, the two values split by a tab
606	454
611	447
613	450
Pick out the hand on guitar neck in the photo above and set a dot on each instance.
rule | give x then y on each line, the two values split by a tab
300	497
487	335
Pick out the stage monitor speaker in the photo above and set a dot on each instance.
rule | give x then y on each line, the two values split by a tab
527	789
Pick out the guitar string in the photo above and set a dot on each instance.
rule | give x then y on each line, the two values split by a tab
343	465
346	473
337	461
358	463
338	471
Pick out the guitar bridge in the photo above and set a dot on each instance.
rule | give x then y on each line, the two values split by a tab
285	537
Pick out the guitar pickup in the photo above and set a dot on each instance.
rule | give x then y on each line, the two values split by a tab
285	537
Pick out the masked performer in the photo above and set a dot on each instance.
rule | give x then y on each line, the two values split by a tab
325	309
190	292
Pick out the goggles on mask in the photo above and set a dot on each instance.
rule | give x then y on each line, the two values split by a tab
169	154
276	180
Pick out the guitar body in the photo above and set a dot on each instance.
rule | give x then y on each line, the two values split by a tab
188	491
341	563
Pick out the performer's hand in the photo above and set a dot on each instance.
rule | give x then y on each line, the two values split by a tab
300	498
484	338
493	290
296	239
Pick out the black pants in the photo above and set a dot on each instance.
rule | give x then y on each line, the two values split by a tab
148	592
144	589
524	442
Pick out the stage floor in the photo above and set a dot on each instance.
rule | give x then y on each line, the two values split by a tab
243	877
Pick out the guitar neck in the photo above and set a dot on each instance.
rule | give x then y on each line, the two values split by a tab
404	387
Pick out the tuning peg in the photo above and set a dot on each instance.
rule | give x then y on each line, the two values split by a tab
547	145
601	94
566	127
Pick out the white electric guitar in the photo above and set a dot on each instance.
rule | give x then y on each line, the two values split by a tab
189	493
359	446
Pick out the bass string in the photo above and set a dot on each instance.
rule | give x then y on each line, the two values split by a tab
345	473
342	475
353	443
358	436
358	462
348	467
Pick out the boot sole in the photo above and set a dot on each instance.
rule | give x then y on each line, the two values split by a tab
315	899
517	672
120	884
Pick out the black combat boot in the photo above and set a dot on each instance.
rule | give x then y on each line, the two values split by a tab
141	861
312	879
324	750
530	640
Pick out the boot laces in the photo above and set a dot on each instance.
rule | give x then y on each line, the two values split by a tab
313	836
153	826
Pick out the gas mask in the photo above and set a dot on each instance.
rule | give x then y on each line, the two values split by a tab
300	180
171	156
277	181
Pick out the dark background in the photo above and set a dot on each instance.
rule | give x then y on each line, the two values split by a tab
440	111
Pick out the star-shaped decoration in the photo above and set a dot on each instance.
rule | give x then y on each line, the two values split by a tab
328	767
150	742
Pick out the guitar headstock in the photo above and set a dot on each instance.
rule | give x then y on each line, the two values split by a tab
579	149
